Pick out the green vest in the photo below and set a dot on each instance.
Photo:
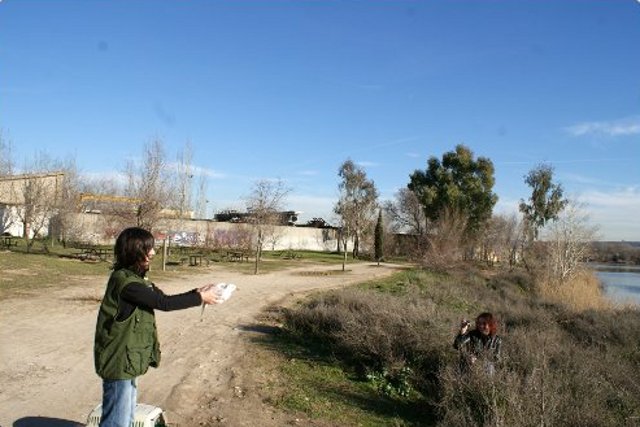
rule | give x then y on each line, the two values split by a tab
124	349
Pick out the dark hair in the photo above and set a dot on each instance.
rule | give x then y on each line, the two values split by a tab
132	246
491	321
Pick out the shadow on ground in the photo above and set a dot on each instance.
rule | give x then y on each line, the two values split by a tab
45	422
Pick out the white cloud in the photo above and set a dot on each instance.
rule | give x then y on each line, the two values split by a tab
116	177
616	213
621	127
197	170
507	207
580	179
367	164
627	198
209	173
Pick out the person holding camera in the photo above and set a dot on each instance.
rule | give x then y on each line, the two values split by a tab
481	343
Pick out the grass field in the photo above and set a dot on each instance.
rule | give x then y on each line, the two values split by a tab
56	266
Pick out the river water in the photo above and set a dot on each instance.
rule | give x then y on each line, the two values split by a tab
621	283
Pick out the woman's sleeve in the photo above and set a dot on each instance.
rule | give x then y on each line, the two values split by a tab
152	297
461	341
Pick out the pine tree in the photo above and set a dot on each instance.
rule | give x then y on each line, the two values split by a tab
379	239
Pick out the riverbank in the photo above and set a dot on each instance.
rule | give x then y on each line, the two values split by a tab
621	282
559	365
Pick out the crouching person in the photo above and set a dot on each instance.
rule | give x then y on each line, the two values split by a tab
479	345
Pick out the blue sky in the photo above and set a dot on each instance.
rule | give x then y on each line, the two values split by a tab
291	89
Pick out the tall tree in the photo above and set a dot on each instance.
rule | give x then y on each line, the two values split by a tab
184	177
149	187
502	239
265	205
6	155
546	200
63	225
201	196
356	205
459	183
39	196
379	238
406	213
6	170
568	242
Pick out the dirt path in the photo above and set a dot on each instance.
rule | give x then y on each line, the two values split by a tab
46	345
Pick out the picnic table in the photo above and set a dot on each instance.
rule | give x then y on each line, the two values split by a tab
237	256
8	241
195	259
94	253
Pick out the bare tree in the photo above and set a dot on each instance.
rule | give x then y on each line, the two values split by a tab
6	170
6	155
105	195
501	239
63	225
265	204
201	199
237	238
446	241
148	188
345	232
274	236
184	181
568	241
39	195
407	223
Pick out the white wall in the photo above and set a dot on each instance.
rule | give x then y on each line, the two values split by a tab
10	221
95	228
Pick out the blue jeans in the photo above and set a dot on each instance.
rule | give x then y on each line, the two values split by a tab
118	402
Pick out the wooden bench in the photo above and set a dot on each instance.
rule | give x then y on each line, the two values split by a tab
8	242
290	254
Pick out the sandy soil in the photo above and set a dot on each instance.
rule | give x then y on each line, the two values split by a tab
206	376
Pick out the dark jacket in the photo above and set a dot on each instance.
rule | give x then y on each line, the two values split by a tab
475	344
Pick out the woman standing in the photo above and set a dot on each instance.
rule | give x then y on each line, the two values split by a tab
126	339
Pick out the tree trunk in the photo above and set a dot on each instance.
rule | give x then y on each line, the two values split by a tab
344	254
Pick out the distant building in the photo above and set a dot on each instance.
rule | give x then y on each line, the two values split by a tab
28	191
284	217
317	223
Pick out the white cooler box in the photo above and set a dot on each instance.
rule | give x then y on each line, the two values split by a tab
145	416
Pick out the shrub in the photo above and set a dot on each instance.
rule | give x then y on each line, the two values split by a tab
379	335
559	366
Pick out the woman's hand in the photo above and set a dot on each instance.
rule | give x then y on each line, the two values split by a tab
209	295
464	326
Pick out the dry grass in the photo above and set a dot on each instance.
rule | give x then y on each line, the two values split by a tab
581	292
568	358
